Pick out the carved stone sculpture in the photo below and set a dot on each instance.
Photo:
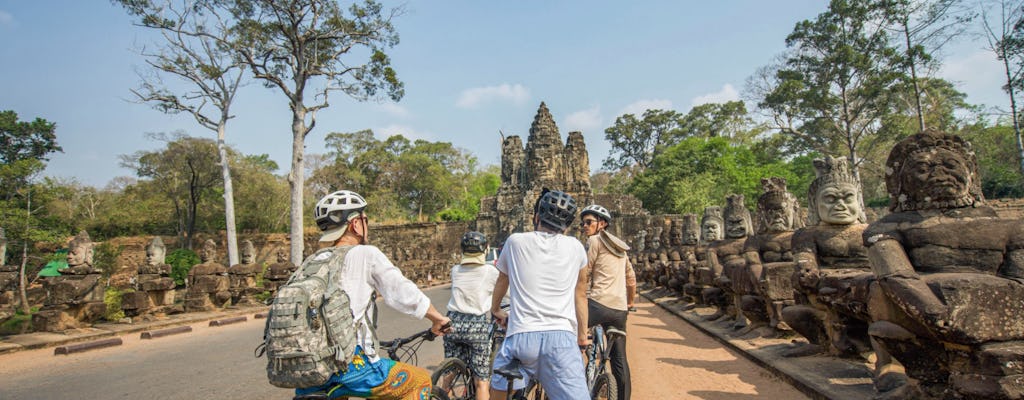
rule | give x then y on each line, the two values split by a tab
685	236
279	272
725	258
75	298
765	287
208	283
951	273
711	228
833	274
154	286
243	276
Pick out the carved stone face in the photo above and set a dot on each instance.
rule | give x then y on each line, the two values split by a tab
79	254
837	204
691	237
155	256
936	175
282	255
735	227
711	231
778	218
676	236
248	257
207	254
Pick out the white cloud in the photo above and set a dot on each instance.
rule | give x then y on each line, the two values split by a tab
394	110
979	75
638	107
728	93
409	132
588	120
475	97
6	19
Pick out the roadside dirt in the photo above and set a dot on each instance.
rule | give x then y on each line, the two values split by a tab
669	359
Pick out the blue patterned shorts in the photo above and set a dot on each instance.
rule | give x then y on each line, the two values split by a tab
470	341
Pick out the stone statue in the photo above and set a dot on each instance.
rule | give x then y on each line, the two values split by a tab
725	258
76	297
154	287
685	236
765	287
279	272
951	272
711	228
208	283
243	276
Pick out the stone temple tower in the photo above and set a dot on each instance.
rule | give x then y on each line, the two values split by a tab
544	163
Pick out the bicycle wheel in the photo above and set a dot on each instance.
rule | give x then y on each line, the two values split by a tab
604	388
454	380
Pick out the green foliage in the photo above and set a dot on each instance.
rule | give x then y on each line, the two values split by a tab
697	173
112	298
637	141
403	180
998	160
104	257
21	140
19	323
181	261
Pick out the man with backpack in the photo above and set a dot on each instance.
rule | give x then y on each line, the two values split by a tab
360	270
547	274
612	287
472	284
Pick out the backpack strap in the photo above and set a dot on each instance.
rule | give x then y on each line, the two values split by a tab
372	325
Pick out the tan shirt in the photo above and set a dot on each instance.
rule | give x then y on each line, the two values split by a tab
609	273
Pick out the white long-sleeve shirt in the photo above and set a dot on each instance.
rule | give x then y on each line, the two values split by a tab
366	269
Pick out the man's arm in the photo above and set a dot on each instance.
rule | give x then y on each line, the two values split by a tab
581	308
630	284
500	288
438	320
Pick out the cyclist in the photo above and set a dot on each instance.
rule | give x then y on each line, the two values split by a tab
613	287
472	284
342	218
546	272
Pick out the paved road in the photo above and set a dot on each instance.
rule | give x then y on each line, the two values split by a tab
209	363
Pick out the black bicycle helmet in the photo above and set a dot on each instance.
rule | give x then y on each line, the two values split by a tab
473	242
556	209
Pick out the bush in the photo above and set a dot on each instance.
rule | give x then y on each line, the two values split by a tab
181	260
112	298
18	324
104	257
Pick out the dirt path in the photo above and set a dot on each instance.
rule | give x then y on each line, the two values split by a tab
669	359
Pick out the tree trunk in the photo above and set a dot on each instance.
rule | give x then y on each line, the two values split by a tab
3	248
913	76
296	181
229	197
26	309
1013	108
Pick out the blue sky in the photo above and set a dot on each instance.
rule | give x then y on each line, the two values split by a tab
470	69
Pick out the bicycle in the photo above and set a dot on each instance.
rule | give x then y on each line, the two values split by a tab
453	376
599	379
511	373
402	349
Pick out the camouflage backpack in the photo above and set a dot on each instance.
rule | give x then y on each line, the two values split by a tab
310	332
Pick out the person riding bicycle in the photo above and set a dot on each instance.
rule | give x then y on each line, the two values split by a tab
613	287
472	284
342	218
546	272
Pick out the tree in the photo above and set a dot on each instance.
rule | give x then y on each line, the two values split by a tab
195	50
638	141
729	120
294	44
1006	39
924	27
185	171
24	147
831	90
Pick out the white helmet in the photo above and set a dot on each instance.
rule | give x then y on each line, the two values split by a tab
597	211
333	211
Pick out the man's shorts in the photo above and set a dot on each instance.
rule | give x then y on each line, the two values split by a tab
385	380
551	357
470	341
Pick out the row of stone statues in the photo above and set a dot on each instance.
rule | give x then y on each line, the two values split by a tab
935	289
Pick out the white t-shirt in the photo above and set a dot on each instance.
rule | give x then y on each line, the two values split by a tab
367	268
542	270
472	286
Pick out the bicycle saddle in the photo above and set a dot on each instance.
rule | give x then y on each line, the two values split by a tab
615	331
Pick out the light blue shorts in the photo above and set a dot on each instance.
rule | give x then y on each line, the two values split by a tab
551	357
